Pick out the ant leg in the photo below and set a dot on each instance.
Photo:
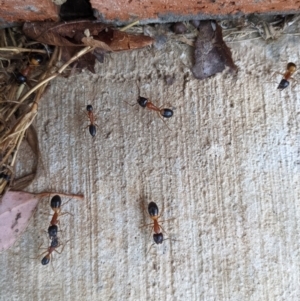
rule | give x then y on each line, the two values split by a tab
147	225
163	121
62	247
129	103
66	202
51	259
162	210
167	220
150	233
295	82
64	213
150	248
40	254
278	73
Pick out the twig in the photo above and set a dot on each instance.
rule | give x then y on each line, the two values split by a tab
19	50
73	196
130	25
60	70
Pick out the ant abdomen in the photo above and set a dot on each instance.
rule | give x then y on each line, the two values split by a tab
20	78
153	209
92	130
283	84
45	260
158	238
55	202
167	113
142	101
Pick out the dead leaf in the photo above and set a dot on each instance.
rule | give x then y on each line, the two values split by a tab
16	209
62	33
86	61
74	34
119	40
89	41
211	53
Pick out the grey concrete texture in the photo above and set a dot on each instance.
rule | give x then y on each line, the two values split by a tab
226	178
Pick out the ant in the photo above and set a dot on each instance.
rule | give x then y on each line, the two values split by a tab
91	116
158	236
145	103
290	70
53	246
154	215
34	61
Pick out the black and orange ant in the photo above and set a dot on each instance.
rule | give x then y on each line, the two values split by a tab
145	103
158	236
290	70
154	215
34	61
53	247
91	116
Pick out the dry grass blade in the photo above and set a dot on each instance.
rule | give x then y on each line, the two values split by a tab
15	128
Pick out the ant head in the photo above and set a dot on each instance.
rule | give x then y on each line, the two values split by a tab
152	209
55	202
142	101
36	59
283	84
167	113
158	238
52	231
54	242
92	130
21	79
45	260
5	176
89	108
291	67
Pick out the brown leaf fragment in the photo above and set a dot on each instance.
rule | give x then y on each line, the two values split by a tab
16	209
89	41
86	61
119	40
62	33
211	52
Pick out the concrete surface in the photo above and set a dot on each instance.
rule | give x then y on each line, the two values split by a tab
227	172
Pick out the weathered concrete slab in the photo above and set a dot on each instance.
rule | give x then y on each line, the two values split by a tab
228	172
